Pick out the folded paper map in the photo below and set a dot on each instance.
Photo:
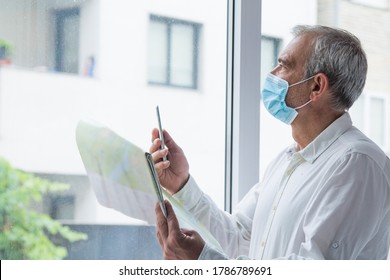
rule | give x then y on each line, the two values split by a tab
122	179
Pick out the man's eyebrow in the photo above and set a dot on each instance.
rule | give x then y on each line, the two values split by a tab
283	61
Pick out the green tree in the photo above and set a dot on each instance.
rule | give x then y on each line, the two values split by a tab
25	234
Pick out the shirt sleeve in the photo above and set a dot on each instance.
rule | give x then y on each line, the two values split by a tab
349	215
232	231
209	253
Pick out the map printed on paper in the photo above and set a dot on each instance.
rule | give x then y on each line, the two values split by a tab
121	179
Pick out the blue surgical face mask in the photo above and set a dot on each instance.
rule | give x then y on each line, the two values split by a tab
274	98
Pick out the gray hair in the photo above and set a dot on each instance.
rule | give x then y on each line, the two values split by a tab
339	55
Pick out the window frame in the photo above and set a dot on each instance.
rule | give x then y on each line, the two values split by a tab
242	100
169	22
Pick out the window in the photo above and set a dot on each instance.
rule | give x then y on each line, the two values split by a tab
378	128
173	52
270	48
67	40
42	104
63	205
370	114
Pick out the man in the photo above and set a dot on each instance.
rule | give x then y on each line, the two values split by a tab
325	197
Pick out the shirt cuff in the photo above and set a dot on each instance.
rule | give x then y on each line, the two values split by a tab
210	253
190	194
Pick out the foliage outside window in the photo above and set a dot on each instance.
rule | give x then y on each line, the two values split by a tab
25	233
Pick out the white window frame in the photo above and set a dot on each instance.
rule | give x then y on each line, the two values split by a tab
243	99
171	22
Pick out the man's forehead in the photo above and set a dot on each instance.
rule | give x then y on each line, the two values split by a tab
296	50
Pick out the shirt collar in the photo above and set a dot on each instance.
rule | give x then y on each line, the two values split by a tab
322	142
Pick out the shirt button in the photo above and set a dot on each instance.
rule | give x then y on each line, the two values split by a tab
262	244
335	245
274	207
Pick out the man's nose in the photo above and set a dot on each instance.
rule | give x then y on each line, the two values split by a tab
275	70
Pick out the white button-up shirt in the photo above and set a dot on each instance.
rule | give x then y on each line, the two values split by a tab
330	200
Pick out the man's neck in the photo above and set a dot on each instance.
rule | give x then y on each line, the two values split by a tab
305	130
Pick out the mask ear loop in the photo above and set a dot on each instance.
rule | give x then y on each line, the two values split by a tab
300	82
299	107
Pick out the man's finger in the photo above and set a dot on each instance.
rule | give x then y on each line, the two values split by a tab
155	134
169	142
156	145
159	154
162	226
160	240
173	223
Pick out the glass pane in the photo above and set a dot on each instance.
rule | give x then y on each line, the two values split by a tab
182	54
120	50
158	51
275	135
370	113
343	14
357	113
377	124
268	56
70	44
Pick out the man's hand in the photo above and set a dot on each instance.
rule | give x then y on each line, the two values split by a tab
176	243
174	172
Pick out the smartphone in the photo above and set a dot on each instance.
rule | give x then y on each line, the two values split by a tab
160	131
156	183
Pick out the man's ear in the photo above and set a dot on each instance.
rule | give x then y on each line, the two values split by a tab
320	85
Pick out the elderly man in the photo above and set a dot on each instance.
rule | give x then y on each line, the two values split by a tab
325	197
